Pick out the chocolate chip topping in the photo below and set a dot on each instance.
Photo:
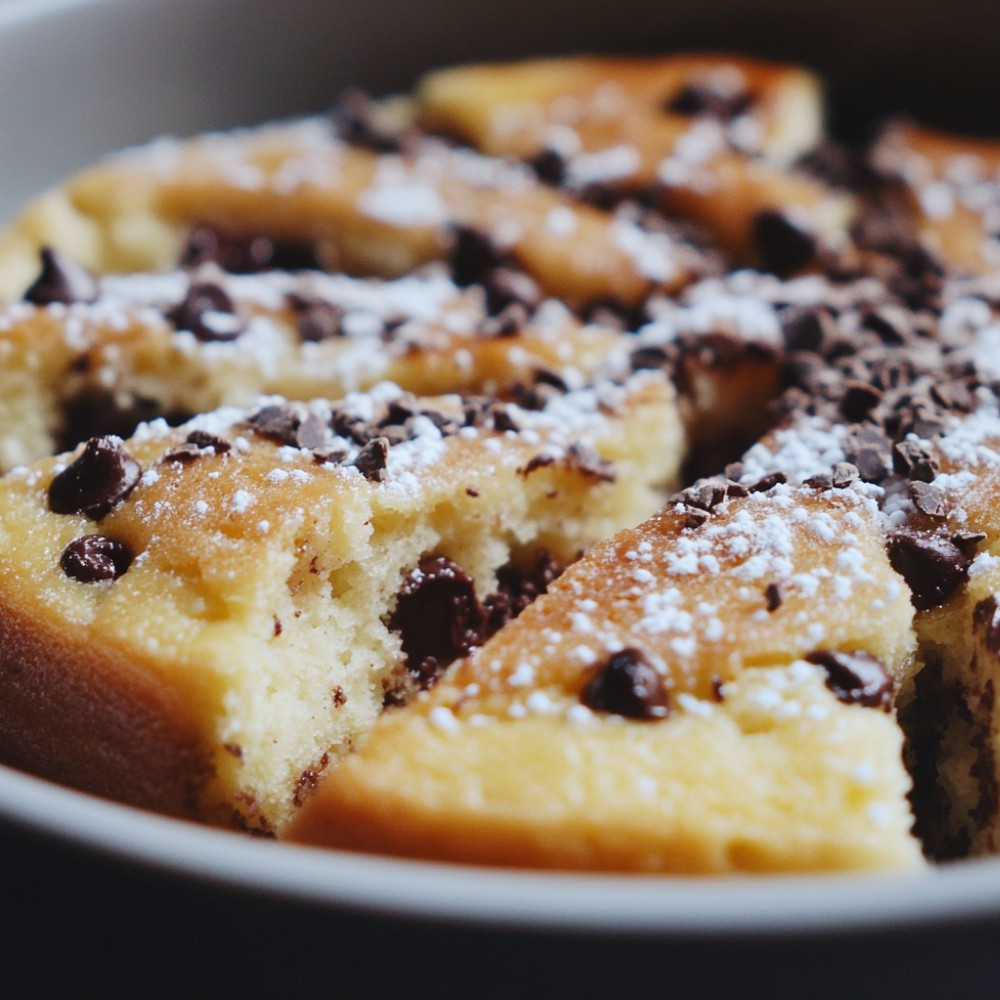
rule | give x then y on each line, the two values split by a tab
438	617
703	99
928	499
245	254
208	312
62	280
103	475
855	678
316	320
549	166
870	451
373	459
356	121
783	247
933	566
629	685
518	586
93	558
196	445
773	597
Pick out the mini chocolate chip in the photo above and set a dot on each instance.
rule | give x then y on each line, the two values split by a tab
768	482
355	120
843	475
438	617
507	286
869	449
652	357
373	459
502	419
855	678
773	597
549	166
313	432
858	400
278	423
629	685
242	254
783	247
473	256
61	279
820	481
208	312
933	566
928	499
803	328
102	475
316	320
519	586
204	440
196	445
703	99
889	325
93	558
910	460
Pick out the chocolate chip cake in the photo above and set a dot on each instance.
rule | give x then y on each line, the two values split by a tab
624	503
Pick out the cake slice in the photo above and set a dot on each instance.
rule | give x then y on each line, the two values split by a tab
319	193
710	138
709	692
98	355
200	620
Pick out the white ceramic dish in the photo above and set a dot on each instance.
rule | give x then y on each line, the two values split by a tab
81	77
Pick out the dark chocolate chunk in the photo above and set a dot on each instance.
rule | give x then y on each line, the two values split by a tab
102	475
208	312
803	328
196	445
843	475
373	459
773	597
855	678
858	400
61	279
910	460
438	617
704	99
278	423
768	482
867	448
518	586
629	685
473	256
933	566
783	247
928	499
93	558
204	440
